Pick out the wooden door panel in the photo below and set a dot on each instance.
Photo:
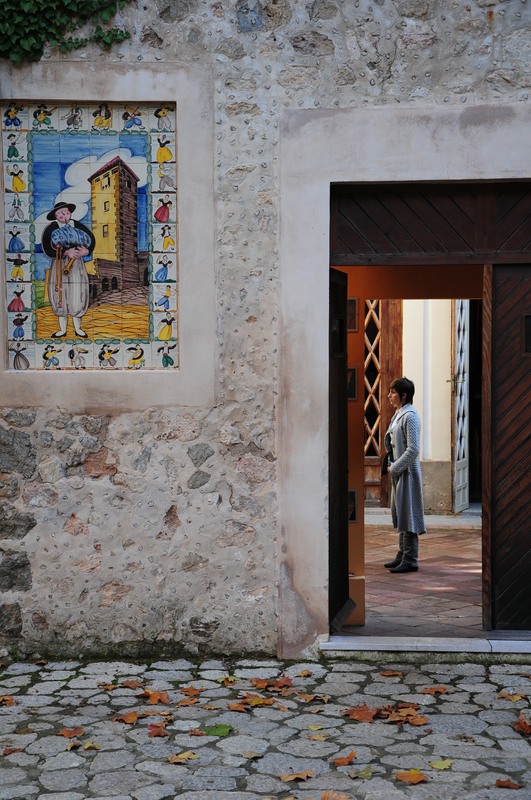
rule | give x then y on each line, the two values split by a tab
416	223
511	449
338	450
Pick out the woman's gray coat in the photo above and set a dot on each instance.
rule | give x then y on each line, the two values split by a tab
402	441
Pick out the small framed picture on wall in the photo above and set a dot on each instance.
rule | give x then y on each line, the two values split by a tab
352	314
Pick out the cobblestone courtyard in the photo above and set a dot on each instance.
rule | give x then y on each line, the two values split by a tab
339	730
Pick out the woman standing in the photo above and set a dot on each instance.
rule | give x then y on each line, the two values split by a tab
402	442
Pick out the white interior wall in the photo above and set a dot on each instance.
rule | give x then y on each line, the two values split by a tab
427	360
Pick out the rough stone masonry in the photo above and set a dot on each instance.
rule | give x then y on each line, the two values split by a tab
158	529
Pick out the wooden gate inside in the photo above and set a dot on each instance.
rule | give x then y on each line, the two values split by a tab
446	234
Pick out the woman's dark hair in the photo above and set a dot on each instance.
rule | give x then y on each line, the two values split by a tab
404	386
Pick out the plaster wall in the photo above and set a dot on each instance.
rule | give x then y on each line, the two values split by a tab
427	342
141	514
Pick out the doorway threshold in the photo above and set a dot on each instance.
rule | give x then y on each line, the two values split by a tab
494	642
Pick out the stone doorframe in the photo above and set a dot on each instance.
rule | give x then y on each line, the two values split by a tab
318	148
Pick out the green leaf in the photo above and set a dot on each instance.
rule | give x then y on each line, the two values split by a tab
365	774
218	730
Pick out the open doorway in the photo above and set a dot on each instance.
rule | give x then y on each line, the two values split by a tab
447	590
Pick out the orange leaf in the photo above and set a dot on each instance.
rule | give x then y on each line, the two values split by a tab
333	795
281	683
361	713
523	727
107	687
187	701
344	761
154	698
412	776
391	673
417	720
305	673
191	691
259	683
7	700
196	732
433	690
8	750
508	784
129	719
132	684
298	776
230	680
72	733
157	729
237	707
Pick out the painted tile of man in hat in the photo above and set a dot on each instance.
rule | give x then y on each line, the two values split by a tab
69	244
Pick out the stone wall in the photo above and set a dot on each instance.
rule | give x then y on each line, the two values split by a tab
157	531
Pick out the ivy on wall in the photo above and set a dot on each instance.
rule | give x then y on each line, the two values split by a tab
28	26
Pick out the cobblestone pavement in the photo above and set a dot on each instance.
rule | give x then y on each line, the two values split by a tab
264	729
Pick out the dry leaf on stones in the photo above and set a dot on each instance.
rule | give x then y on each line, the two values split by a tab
182	758
71	733
344	761
508	784
412	776
361	713
297	776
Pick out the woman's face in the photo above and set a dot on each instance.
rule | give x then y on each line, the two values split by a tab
395	399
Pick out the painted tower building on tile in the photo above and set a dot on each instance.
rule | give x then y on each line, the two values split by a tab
114	202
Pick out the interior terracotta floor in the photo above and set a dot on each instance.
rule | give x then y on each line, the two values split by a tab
442	599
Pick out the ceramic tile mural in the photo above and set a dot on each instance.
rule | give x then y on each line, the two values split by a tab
90	240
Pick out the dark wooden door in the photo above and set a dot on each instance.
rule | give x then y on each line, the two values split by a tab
337	451
510	462
437	227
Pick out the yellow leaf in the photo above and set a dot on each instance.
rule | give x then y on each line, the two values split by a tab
305	673
73	744
443	763
512	697
315	727
319	737
91	746
182	758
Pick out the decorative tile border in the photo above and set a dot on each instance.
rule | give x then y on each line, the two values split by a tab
91	235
